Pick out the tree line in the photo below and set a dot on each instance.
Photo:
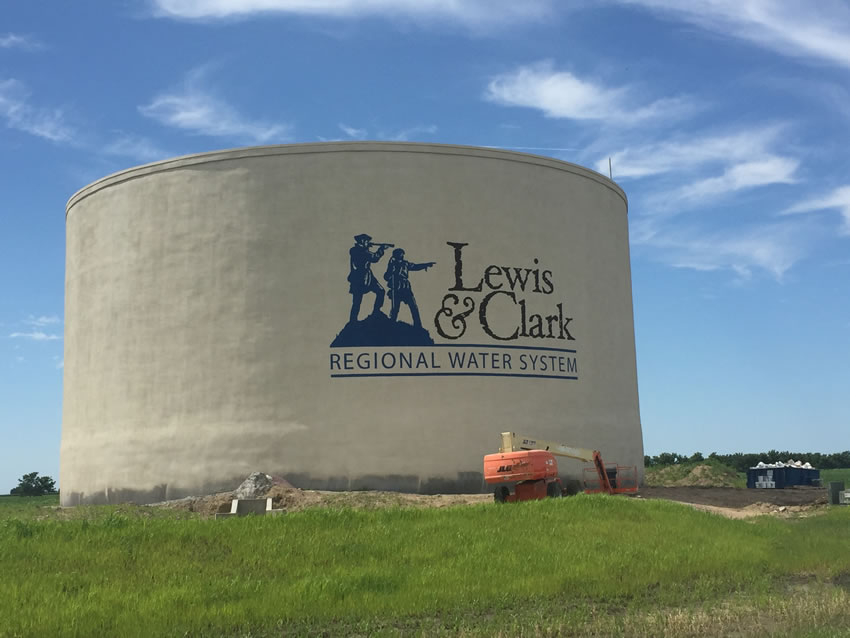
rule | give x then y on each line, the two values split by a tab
742	461
34	485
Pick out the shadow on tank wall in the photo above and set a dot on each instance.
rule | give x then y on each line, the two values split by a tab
464	483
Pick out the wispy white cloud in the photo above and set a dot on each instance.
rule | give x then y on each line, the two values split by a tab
43	320
17	41
412	132
833	95
469	13
838	200
18	114
683	154
391	135
196	109
812	86
35	335
702	168
769	248
799	28
684	173
560	94
762	172
352	132
135	147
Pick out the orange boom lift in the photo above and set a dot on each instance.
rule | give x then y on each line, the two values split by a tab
529	465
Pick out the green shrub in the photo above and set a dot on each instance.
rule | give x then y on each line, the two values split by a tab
34	485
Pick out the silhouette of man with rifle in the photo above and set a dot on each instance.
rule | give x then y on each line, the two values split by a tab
396	277
360	277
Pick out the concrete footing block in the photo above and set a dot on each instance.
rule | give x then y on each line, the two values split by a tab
247	506
836	488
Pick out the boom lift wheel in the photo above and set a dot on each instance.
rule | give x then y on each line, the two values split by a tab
553	490
573	488
501	494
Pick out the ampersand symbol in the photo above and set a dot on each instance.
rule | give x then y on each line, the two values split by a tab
458	319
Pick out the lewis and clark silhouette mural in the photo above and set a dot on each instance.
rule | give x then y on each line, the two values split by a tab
467	304
378	329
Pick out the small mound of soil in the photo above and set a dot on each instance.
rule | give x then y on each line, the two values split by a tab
292	499
699	476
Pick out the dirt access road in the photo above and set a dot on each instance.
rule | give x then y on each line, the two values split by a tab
736	497
734	502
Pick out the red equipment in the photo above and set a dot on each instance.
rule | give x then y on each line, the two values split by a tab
530	466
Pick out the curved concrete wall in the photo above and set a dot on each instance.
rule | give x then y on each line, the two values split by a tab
208	306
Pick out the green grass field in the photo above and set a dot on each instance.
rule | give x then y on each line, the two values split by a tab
836	475
25	506
576	566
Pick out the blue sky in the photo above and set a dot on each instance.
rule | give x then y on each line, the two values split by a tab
727	123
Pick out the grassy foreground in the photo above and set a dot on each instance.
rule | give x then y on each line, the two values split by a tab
588	565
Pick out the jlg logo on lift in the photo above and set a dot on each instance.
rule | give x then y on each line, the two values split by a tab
505	468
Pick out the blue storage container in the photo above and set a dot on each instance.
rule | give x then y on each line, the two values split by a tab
781	477
766	478
793	476
811	477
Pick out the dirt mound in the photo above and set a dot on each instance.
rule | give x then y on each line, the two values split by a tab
292	499
703	475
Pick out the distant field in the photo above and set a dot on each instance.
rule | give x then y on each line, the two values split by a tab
836	475
608	565
711	472
25	506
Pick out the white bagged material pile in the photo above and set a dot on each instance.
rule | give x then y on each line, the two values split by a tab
765	478
790	463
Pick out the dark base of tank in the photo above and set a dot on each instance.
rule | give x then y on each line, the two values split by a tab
465	483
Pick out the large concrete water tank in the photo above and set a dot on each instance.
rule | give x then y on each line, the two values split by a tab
209	330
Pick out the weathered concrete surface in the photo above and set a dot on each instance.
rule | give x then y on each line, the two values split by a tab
202	295
255	486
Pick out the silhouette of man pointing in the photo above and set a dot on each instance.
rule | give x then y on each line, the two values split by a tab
397	277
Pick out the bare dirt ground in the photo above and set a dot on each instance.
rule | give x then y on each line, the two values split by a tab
726	501
761	509
293	500
705	487
737	498
744	503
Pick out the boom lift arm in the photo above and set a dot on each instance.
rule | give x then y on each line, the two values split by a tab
513	442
